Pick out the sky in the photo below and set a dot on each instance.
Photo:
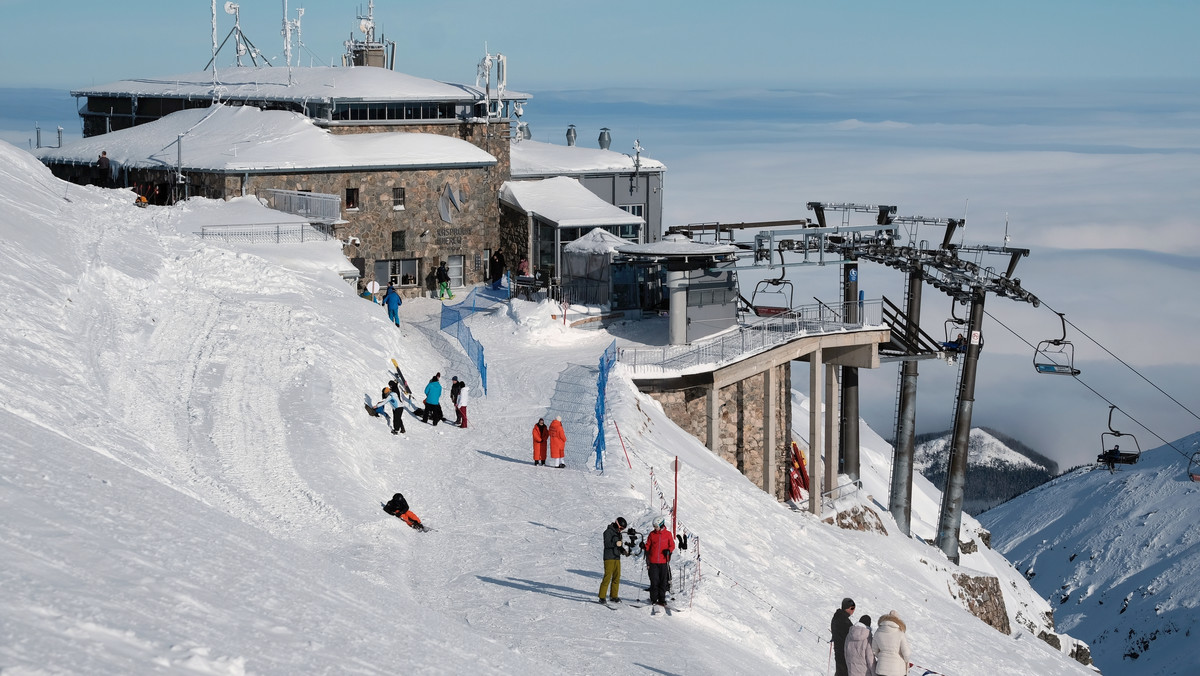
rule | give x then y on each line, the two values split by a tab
191	484
552	44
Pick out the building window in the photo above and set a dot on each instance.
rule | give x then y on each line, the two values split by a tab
404	272
398	199
635	209
352	199
630	232
455	265
399	240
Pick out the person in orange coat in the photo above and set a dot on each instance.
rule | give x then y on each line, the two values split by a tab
541	434
558	443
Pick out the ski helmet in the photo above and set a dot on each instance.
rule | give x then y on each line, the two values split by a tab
621	523
660	522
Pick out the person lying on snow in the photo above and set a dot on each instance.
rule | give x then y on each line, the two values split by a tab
398	507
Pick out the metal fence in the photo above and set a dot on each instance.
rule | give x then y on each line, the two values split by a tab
280	233
757	336
319	207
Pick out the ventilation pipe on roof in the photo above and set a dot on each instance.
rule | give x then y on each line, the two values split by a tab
570	134
605	138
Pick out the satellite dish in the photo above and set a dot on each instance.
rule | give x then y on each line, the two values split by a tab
231	8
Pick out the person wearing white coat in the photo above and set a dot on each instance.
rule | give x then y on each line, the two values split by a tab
461	404
891	646
860	660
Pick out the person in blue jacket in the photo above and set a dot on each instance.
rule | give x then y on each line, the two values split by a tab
392	300
433	395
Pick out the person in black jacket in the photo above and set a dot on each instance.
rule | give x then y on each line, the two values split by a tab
496	267
398	507
839	626
614	548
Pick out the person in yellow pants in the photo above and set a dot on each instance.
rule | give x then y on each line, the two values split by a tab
614	548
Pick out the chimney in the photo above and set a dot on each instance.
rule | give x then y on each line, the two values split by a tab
605	138
570	134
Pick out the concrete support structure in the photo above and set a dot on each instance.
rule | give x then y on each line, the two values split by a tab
816	473
677	321
900	499
950	517
832	435
742	411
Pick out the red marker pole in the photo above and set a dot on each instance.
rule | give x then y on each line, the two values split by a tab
623	444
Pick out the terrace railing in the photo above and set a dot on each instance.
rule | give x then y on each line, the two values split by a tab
756	336
267	233
317	207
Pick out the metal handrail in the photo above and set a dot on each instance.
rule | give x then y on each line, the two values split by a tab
318	207
828	497
754	337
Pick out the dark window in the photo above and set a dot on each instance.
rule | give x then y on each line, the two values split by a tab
352	198
399	240
397	199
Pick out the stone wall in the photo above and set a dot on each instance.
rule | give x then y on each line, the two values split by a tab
740	428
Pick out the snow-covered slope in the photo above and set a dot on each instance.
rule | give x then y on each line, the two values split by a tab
1118	555
190	484
983	450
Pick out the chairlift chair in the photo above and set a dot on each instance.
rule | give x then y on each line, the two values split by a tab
772	297
1056	356
956	336
1194	467
1111	457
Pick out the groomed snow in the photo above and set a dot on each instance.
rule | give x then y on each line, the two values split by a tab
247	139
191	485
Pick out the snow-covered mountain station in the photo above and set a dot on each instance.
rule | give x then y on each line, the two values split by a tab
192	483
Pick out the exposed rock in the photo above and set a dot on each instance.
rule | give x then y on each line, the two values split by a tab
858	517
1051	639
981	595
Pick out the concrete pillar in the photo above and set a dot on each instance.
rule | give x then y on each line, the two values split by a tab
816	387
770	438
677	322
832	413
713	420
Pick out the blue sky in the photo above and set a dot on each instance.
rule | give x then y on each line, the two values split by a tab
567	44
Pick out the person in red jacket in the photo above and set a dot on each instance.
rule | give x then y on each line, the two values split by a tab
541	434
658	545
558	443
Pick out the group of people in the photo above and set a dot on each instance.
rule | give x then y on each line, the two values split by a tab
554	435
658	547
858	652
431	411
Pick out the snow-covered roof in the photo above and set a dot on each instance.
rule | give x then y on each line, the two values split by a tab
677	245
565	202
245	139
534	158
597	241
308	84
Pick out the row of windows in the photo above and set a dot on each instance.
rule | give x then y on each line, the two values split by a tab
352	199
395	111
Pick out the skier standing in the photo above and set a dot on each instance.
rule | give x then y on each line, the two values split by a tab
659	545
558	443
392	300
839	626
541	434
614	547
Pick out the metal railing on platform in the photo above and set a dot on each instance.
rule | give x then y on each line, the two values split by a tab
267	233
757	336
830	497
319	207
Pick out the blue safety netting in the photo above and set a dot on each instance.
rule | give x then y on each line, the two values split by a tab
607	360
452	323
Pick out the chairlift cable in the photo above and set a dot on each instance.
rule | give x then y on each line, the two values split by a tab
1093	390
1131	368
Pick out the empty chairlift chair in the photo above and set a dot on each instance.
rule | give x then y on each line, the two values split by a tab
1111	457
1056	356
772	297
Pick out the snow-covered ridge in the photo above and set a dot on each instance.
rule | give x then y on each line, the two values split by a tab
983	450
1118	556
191	483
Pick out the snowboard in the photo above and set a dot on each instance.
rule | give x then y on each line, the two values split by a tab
371	410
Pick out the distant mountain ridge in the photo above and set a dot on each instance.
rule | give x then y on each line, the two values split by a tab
999	467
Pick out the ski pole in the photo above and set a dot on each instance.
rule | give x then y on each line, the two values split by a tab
829	662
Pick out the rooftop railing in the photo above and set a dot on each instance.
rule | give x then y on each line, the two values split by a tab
757	336
282	233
